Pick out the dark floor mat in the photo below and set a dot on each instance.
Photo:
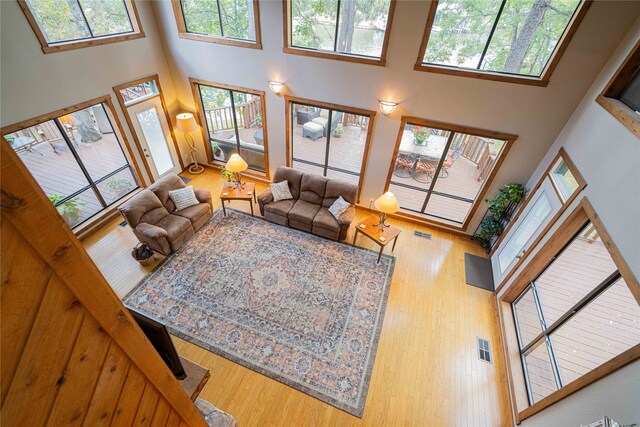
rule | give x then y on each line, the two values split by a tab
478	273
185	179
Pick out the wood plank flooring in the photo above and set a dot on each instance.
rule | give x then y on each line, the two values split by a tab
426	371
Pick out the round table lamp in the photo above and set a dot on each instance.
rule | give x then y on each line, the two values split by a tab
187	123
386	204
236	164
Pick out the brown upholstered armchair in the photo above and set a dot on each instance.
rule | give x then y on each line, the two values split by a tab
153	217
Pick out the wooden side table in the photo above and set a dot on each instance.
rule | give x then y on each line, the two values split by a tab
197	377
373	232
247	193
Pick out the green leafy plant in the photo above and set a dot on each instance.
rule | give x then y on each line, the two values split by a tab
119	186
69	210
492	225
216	149
510	193
226	173
258	120
421	134
339	130
489	228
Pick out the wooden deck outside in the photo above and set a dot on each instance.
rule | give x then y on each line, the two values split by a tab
347	152
605	328
57	172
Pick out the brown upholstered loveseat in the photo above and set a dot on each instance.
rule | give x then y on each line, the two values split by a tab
309	208
152	215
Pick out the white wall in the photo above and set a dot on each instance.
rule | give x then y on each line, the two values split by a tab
535	114
607	155
33	83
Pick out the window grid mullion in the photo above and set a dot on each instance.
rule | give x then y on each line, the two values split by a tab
80	163
326	154
335	37
547	340
235	121
85	18
438	169
220	18
493	29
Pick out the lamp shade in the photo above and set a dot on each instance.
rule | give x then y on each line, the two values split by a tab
387	203
186	122
236	163
276	87
387	107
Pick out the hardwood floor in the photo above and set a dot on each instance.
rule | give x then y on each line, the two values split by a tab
426	371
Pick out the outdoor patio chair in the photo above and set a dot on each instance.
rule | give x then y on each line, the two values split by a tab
424	170
452	156
404	165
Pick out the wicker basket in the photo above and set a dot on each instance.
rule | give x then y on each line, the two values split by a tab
141	247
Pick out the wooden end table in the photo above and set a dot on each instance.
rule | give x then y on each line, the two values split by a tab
373	232
247	193
197	377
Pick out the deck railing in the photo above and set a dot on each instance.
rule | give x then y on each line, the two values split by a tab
221	118
355	120
478	150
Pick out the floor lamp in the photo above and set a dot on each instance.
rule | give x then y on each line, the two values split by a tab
187	123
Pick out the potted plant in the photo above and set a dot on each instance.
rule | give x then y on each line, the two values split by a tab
339	131
143	254
119	187
258	120
493	223
489	228
227	174
420	134
510	193
217	152
69	210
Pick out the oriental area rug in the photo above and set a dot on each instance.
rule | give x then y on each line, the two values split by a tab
297	308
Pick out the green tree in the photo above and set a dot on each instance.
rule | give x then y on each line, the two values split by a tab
62	20
360	28
236	16
526	34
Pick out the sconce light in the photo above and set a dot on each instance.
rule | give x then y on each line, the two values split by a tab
387	107
276	87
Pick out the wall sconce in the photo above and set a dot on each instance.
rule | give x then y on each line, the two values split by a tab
387	107
276	87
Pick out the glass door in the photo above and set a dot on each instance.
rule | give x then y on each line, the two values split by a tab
536	215
152	129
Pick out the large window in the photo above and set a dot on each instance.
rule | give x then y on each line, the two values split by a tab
621	96
510	40
234	122
328	140
77	159
577	314
340	29
235	22
440	171
69	24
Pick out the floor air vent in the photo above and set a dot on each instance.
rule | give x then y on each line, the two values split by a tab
421	234
484	350
123	224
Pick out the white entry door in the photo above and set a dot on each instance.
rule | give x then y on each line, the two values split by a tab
536	215
152	129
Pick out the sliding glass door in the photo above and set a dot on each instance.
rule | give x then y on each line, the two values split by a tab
78	161
234	123
440	173
328	142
